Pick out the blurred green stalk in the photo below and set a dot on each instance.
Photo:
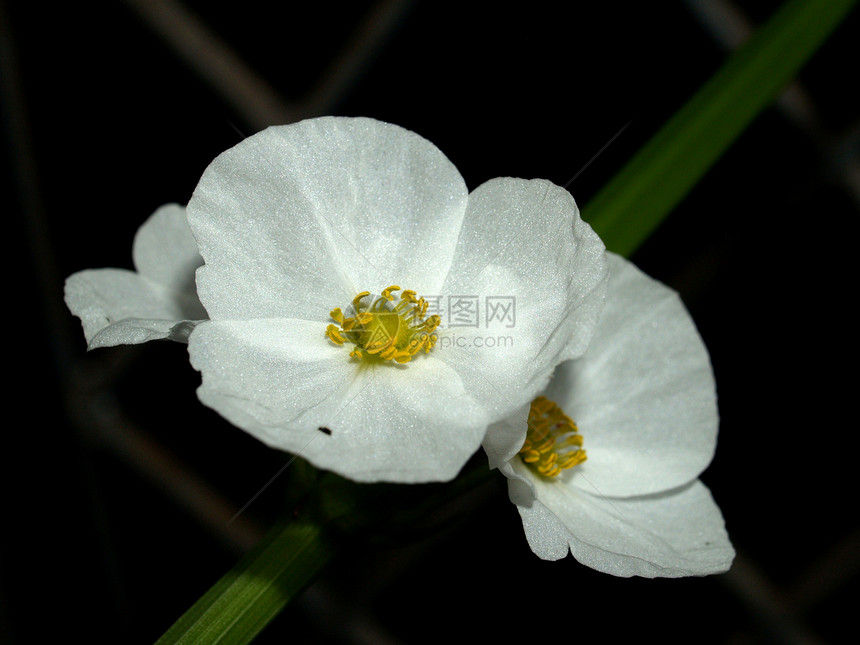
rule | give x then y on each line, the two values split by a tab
249	596
634	202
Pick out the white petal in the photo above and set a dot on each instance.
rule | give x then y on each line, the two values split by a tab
643	395
547	536
325	208
677	533
119	307
165	251
282	380
523	243
505	438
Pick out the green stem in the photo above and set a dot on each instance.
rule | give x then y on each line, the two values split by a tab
628	209
249	596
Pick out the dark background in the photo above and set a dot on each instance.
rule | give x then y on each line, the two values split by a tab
118	485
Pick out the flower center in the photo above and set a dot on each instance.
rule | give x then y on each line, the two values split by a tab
553	442
383	330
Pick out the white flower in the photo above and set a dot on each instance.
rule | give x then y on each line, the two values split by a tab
297	222
643	398
117	306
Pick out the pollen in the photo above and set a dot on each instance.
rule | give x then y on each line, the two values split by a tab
385	327
553	442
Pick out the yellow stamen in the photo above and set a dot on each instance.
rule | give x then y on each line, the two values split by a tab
333	334
385	327
386	293
553	442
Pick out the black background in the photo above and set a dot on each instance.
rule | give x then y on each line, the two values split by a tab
103	123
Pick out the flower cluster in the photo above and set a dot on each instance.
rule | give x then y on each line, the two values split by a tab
284	277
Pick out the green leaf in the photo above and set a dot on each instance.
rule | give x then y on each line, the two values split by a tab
249	596
628	209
